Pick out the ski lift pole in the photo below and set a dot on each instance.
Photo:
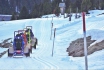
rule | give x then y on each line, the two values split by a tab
53	41
85	42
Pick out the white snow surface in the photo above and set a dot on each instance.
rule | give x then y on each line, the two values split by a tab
66	32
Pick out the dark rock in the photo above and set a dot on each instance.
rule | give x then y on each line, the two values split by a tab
0	44
96	47
1	54
5	43
6	40
76	48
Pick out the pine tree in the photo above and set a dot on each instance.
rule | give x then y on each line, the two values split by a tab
85	6
4	7
102	4
68	5
78	4
92	4
35	11
13	16
47	7
57	10
24	14
55	4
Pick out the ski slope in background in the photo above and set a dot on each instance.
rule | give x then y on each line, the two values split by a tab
66	32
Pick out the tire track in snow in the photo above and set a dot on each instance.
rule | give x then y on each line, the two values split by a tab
41	30
44	45
46	65
42	41
41	63
43	51
40	35
53	66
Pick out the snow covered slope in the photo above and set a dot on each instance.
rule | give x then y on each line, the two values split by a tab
66	31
